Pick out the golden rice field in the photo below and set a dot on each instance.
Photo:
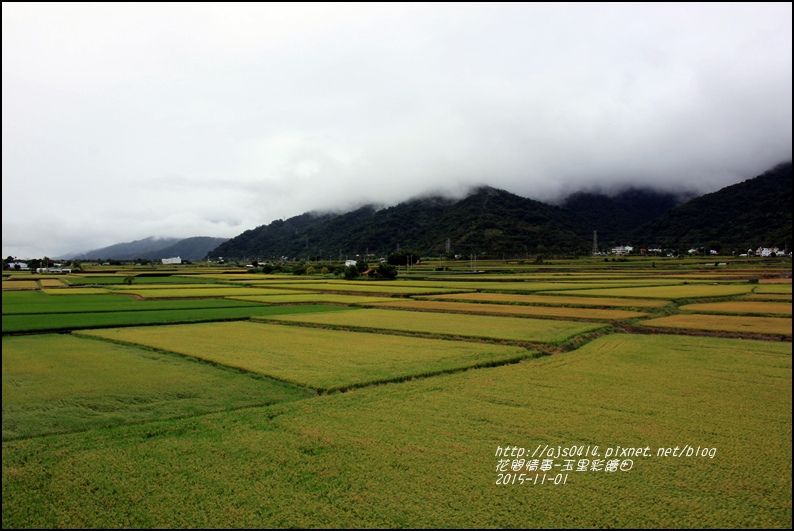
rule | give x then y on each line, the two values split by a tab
512	309
496	328
767	297
689	291
20	284
745	307
773	288
324	360
303	297
396	288
52	283
185	292
724	323
422	454
75	291
380	417
551	300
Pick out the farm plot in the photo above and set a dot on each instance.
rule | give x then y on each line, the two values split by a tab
293	298
75	321
553	300
512	309
741	307
189	292
41	302
773	288
767	297
423	454
52	283
531	287
20	284
75	291
396	288
324	360
689	291
518	329
60	383
724	323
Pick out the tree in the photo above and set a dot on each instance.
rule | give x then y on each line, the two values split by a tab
387	271
402	258
351	272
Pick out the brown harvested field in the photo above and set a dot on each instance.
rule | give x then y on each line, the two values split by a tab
743	307
551	300
724	323
513	309
775	281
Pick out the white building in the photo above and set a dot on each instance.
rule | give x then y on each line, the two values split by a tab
170	261
626	249
349	263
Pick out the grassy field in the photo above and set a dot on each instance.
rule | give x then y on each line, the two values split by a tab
300	409
423	453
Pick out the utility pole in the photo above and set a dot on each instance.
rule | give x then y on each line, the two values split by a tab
595	242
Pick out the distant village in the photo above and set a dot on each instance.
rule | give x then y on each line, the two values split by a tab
11	263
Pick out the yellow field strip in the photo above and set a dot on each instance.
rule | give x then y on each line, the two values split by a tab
724	323
513	309
553	300
744	307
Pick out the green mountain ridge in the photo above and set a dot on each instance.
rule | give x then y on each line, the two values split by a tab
497	223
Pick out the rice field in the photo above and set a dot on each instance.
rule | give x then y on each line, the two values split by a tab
552	300
64	322
493	328
422	454
20	284
773	288
512	309
324	360
305	298
188	292
689	291
298	408
61	383
741	307
396	288
724	323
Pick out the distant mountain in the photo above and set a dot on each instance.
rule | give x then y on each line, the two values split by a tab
750	214
489	220
151	248
617	216
497	223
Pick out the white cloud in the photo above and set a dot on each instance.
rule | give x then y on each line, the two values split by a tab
122	121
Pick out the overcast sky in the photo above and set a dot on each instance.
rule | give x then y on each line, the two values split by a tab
123	121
